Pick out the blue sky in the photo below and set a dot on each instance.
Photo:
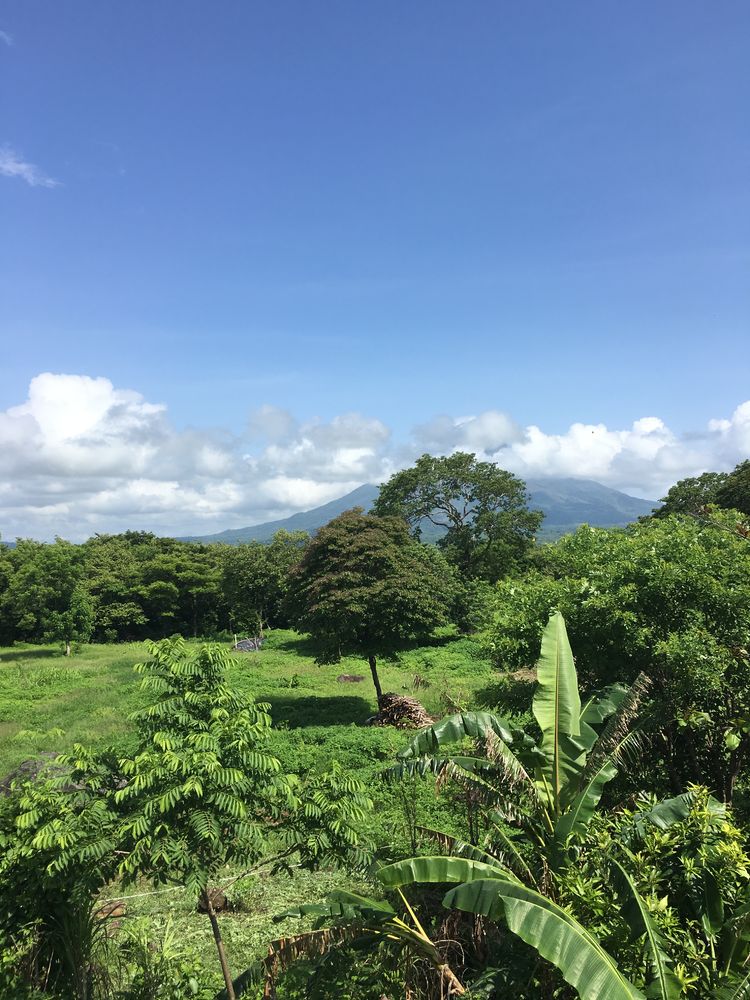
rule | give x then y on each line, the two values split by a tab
538	211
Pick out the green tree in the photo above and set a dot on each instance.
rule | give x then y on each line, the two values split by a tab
114	579
539	867
365	586
41	587
255	578
57	851
734	492
76	623
550	788
203	789
689	495
481	511
618	900
669	596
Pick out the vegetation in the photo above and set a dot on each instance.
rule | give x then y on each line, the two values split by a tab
672	596
579	829
486	529
364	586
728	490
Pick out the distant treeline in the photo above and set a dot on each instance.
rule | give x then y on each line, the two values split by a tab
135	585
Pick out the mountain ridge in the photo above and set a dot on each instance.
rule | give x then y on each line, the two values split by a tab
566	501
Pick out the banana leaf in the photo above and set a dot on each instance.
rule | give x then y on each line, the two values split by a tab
454	728
555	934
557	709
439	869
665	985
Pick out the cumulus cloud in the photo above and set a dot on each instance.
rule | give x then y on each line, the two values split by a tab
644	459
490	432
12	164
80	455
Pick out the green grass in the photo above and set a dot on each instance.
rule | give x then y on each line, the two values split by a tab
48	702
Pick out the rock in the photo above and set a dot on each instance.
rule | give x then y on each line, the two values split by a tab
252	645
349	678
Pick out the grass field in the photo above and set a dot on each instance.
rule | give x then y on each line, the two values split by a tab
48	702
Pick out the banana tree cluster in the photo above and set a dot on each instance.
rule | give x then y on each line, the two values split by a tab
539	797
548	790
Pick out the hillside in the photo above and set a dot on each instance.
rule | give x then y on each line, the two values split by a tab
565	502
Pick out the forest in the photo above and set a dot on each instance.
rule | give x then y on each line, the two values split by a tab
475	766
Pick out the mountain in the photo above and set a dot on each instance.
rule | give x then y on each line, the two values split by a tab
565	502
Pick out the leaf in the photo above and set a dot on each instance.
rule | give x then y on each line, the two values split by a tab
712	906
454	728
665	984
599	707
735	990
557	707
576	818
342	905
433	765
439	869
670	811
555	934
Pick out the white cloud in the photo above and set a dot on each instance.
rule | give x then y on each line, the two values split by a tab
644	459
5	37
81	455
490	432
13	165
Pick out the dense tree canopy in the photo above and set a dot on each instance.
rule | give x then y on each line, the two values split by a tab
480	509
365	586
734	492
136	586
671	597
730	490
255	577
688	495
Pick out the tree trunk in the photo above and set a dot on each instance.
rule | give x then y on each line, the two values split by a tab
455	987
219	943
375	679
67	647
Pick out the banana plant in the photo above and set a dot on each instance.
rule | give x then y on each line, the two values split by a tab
496	894
347	919
550	788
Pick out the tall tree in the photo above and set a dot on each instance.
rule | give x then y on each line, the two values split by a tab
734	492
481	509
204	790
41	587
255	578
688	495
365	586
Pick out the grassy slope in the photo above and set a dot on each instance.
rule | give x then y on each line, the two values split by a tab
48	702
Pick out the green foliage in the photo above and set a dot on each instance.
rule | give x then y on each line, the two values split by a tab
481	510
550	789
255	579
43	590
365	586
204	788
734	492
202	758
670	596
552	930
57	837
689	495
